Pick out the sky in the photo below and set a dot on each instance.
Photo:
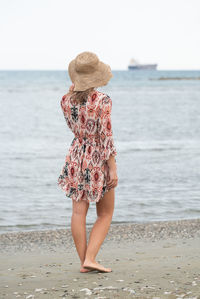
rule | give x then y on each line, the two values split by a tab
48	34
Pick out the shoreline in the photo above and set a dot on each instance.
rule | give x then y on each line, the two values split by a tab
129	232
152	260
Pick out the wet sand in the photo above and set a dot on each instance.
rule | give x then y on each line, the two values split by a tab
149	260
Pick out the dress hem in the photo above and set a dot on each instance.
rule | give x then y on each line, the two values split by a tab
89	200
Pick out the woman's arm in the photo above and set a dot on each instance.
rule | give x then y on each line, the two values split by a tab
112	163
108	150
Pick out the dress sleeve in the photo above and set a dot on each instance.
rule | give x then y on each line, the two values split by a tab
105	129
65	110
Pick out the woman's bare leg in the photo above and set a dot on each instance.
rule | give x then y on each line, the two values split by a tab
78	228
105	208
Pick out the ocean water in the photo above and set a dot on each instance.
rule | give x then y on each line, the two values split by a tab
156	128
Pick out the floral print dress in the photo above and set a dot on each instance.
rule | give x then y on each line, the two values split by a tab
85	172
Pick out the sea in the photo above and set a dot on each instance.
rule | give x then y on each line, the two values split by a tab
156	130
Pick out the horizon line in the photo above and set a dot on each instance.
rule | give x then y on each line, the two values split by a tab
4	70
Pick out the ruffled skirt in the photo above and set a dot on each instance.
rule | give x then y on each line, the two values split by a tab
85	174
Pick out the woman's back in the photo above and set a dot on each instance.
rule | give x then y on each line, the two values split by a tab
82	118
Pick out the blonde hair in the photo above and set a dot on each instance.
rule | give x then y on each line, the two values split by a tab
81	96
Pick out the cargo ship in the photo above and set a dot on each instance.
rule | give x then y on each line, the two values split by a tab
135	65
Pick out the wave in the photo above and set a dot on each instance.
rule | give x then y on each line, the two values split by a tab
168	145
175	78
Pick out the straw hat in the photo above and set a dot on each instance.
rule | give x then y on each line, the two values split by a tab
87	71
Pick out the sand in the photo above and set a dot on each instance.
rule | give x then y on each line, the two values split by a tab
149	260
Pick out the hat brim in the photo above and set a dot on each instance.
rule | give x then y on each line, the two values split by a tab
83	81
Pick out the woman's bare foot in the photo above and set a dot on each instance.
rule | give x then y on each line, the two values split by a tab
95	266
84	270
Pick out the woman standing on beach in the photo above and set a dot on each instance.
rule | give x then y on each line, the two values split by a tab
90	170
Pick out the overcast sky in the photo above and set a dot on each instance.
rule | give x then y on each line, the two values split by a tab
48	34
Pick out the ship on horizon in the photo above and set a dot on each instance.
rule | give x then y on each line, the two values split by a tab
135	65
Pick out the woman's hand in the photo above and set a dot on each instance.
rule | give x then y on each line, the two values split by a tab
113	178
72	87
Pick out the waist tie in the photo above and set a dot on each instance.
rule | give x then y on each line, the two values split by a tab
90	139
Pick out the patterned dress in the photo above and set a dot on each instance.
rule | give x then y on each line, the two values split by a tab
85	172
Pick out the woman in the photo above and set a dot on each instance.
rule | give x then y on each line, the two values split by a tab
90	171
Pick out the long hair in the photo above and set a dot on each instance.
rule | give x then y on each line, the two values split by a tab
81	96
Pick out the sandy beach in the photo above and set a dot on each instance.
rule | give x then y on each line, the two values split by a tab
149	260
